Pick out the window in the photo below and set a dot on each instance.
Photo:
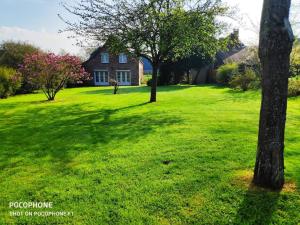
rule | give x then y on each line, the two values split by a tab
124	77
122	58
101	77
104	58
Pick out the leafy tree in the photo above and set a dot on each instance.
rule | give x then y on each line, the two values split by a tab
12	53
276	41
155	29
51	72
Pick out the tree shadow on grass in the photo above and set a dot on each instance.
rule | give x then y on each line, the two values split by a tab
138	89
214	86
257	207
62	132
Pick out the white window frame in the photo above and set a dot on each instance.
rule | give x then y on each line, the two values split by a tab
105	57
99	83
127	81
123	58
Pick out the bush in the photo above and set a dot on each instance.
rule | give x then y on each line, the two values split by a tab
9	82
226	72
294	87
52	72
146	78
26	87
245	81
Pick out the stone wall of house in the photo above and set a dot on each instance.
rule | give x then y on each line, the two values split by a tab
94	63
141	71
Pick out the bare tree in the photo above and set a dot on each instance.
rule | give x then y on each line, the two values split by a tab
276	41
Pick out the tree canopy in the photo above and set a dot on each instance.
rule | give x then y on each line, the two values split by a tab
155	29
12	53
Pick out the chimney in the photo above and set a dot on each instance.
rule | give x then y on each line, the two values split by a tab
236	33
235	36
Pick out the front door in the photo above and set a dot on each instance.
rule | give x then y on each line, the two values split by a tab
124	77
101	77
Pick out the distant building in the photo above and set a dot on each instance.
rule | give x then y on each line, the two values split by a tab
103	67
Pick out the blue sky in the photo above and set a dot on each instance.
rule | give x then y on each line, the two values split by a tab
30	14
36	21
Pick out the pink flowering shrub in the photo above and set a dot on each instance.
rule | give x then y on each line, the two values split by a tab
51	72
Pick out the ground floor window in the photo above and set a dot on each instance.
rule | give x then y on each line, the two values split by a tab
124	77
101	77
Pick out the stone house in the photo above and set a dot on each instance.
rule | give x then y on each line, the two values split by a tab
104	67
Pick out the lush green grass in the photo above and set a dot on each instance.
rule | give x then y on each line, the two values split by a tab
114	159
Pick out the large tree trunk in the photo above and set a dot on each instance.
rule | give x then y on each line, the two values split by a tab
276	41
154	83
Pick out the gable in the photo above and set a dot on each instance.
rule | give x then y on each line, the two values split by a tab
103	49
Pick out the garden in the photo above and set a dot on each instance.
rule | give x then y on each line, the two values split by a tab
217	142
116	159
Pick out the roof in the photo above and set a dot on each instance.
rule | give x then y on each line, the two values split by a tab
93	54
96	51
240	56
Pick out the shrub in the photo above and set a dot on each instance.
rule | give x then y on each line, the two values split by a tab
146	78
295	59
9	82
256	84
294	87
226	72
245	81
26	87
115	84
51	72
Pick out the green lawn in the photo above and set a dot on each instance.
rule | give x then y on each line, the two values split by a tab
187	159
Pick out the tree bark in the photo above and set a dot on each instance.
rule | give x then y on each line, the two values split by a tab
276	41
154	83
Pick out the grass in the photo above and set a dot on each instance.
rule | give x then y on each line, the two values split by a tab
187	159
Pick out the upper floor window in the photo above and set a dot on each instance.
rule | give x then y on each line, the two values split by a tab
104	58
122	58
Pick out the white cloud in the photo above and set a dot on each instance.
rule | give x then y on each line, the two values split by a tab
48	41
